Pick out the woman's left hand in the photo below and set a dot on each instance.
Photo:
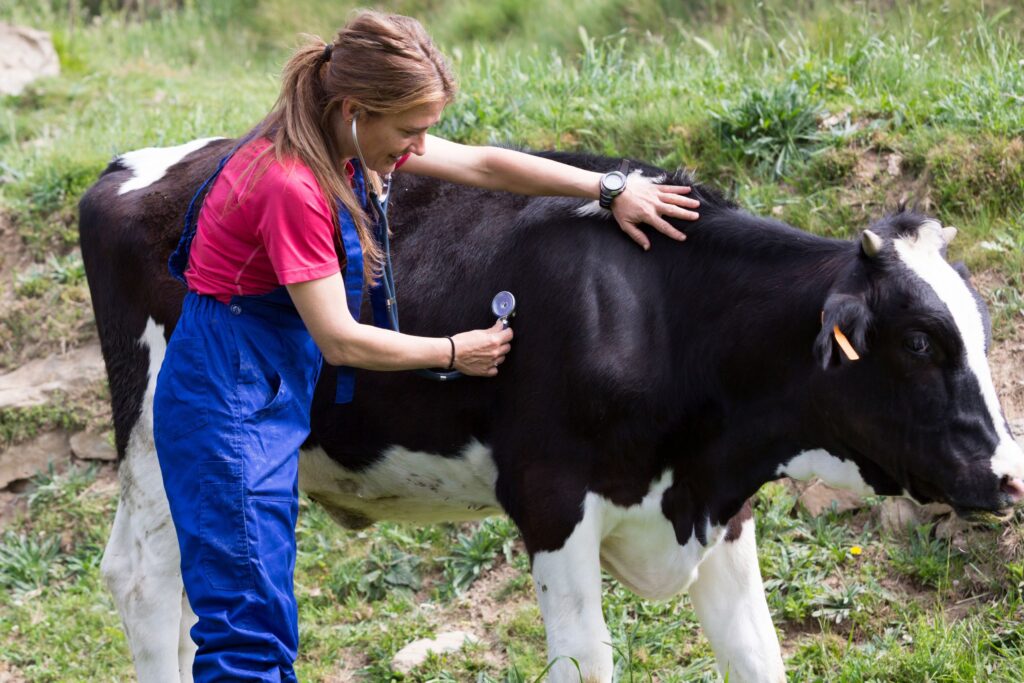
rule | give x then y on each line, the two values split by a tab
644	202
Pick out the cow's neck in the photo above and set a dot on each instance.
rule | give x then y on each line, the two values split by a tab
770	312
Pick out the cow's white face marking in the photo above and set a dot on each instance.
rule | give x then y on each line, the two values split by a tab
405	485
843	474
921	254
151	163
594	208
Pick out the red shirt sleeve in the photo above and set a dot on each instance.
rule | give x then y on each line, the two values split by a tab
296	227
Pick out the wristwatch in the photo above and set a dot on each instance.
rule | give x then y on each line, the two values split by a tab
613	184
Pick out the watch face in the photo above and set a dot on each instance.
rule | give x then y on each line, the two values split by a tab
613	182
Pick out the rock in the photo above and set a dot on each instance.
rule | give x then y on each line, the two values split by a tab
896	514
818	498
25	460
892	165
32	383
25	55
89	446
416	652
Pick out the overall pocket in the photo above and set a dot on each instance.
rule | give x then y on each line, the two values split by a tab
182	389
224	541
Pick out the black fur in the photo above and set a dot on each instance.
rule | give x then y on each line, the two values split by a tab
709	357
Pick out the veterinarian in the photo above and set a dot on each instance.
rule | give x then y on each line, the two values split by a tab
276	240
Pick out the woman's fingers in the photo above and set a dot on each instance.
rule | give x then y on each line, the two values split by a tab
665	228
480	352
678	199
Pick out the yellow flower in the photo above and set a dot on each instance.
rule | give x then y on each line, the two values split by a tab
856	550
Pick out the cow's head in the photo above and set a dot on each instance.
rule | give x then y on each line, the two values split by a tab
918	409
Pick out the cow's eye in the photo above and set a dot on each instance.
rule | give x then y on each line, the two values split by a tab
918	343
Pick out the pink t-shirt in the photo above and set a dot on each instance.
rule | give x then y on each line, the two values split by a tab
253	236
261	226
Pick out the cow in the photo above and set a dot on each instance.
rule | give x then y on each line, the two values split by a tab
647	397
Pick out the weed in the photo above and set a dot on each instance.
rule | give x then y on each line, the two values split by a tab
51	488
925	558
776	127
19	424
27	563
476	553
837	605
388	569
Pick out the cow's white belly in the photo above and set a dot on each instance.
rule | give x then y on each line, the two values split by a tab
404	486
639	545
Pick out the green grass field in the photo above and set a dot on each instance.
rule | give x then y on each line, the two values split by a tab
823	114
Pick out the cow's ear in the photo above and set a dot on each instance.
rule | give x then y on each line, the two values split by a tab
851	316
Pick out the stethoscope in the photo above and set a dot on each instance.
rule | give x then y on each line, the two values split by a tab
503	305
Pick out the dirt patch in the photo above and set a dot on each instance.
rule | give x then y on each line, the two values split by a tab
485	605
351	662
8	674
44	307
876	173
1006	357
14	258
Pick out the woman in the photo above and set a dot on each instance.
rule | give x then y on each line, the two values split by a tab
233	396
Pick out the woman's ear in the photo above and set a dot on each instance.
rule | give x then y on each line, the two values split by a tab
349	110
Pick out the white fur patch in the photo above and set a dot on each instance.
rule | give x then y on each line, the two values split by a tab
405	485
594	208
151	163
639	545
568	585
833	471
141	561
729	599
922	256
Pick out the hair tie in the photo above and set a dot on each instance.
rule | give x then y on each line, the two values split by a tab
326	56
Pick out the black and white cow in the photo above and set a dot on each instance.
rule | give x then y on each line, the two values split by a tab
647	396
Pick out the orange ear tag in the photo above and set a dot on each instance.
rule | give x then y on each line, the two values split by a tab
845	344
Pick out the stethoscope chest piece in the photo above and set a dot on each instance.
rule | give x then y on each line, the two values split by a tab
503	305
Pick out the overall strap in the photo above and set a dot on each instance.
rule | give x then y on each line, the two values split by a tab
177	264
352	274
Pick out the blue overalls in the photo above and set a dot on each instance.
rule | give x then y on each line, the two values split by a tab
231	409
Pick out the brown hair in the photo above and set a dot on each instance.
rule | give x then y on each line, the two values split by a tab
384	64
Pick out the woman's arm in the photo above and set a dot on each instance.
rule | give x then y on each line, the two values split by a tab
344	341
494	168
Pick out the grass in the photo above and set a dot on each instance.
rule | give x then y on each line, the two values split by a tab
908	607
823	114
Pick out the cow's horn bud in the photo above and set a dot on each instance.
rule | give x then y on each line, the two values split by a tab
871	243
948	234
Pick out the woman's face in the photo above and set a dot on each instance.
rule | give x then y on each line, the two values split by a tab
384	138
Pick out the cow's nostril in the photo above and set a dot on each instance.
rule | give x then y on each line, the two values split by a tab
1013	487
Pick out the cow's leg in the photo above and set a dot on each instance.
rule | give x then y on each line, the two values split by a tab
729	599
141	569
141	563
568	583
186	646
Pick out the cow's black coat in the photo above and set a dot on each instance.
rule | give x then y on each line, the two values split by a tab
708	357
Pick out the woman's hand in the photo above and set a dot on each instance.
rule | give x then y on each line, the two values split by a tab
644	202
480	352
